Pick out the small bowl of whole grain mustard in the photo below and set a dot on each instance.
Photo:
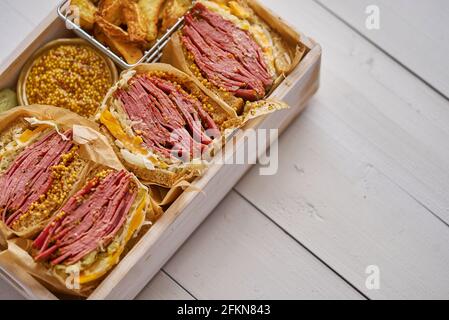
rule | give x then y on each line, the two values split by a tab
67	73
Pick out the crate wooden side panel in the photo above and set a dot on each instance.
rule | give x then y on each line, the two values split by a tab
49	29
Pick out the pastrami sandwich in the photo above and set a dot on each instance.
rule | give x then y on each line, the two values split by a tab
90	232
233	52
71	209
162	124
39	170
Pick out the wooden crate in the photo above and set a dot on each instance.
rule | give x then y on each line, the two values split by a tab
142	263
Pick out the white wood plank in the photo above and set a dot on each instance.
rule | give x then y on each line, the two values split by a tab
414	32
15	27
404	121
239	254
163	288
356	167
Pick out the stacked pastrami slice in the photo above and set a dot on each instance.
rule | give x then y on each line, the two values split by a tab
170	121
30	176
90	220
226	55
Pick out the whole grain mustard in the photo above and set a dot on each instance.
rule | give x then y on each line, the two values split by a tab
73	77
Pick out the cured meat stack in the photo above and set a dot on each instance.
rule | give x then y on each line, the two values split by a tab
226	55
38	180
92	217
169	120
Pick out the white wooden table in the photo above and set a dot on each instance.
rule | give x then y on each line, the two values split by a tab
364	173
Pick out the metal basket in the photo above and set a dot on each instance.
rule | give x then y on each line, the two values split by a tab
152	55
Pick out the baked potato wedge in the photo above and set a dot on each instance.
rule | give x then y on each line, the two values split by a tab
130	52
151	10
135	21
111	11
111	30
172	11
86	10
